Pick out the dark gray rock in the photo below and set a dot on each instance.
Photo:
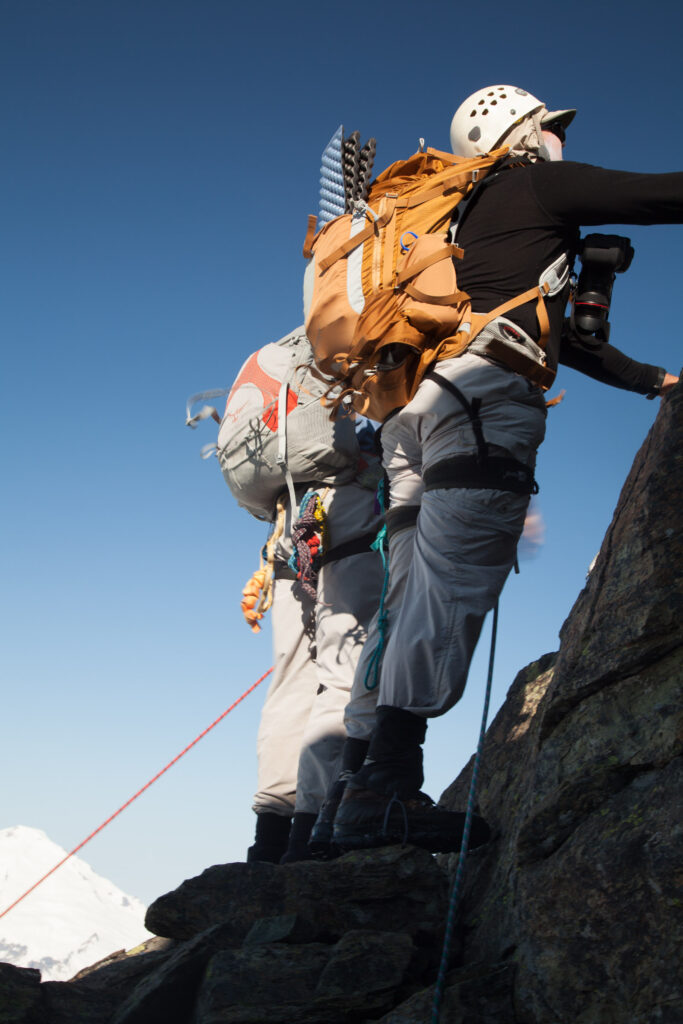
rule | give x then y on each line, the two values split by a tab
20	995
478	994
96	992
506	791
392	889
123	956
285	928
313	984
263	983
581	777
630	613
167	995
602	921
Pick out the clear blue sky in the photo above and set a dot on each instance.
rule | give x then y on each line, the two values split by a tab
159	160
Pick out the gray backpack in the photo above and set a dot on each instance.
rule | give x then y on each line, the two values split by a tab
275	433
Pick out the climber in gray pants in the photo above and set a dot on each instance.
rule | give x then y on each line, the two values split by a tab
317	641
477	421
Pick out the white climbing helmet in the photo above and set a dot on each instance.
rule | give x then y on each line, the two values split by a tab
482	121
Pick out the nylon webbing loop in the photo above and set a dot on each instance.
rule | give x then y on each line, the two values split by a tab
357	546
282	571
402	517
496	472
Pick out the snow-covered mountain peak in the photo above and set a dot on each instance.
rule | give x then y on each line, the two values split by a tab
73	919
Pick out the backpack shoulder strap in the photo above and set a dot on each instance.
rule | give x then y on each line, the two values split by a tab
466	205
294	342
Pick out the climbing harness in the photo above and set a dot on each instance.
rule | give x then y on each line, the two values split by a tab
467	472
456	891
139	793
402	517
309	535
358	546
482	470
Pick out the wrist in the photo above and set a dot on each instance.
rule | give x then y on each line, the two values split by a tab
656	388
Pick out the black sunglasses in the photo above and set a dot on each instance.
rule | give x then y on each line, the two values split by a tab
556	128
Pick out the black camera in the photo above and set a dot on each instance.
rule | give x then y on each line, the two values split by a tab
602	258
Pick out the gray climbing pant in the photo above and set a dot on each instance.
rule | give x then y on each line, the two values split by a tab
465	539
359	717
317	644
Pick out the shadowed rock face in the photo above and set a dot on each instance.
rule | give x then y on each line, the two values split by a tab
571	915
582	775
329	899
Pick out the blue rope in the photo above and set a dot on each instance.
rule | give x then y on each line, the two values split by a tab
460	872
379	544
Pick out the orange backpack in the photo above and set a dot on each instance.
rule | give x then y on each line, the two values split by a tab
381	299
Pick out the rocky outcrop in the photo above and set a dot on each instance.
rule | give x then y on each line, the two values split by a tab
582	776
570	915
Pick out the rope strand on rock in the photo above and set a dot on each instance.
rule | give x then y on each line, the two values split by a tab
462	856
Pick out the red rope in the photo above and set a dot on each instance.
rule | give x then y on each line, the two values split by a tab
139	793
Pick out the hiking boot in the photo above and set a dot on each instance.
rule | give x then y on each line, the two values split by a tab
383	804
297	847
367	818
270	841
320	842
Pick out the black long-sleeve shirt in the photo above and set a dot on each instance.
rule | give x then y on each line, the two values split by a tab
523	219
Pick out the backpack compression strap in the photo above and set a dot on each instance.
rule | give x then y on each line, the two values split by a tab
357	546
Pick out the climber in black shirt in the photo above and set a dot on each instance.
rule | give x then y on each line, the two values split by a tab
472	430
